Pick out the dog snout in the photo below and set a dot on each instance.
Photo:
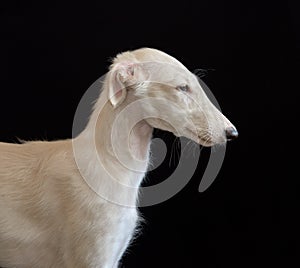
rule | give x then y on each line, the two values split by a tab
231	133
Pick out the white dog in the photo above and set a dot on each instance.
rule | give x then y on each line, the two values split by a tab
72	203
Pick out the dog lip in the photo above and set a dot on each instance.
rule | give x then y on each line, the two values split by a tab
198	138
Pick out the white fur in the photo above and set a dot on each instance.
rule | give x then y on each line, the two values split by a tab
72	203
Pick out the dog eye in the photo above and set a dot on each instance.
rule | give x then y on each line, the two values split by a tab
184	88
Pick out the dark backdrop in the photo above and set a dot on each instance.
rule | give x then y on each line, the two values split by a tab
51	52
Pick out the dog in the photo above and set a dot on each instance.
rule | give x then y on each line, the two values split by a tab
72	203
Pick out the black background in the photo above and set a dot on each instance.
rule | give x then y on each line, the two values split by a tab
51	52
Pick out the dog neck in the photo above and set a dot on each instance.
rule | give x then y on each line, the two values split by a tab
112	153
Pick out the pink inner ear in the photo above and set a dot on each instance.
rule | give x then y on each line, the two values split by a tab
121	76
130	70
126	70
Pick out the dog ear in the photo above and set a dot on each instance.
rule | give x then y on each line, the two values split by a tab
121	76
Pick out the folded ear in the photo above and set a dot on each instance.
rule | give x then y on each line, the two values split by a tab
120	76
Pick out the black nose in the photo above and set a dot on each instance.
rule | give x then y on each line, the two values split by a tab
231	133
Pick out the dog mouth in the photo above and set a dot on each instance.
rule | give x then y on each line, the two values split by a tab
203	139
